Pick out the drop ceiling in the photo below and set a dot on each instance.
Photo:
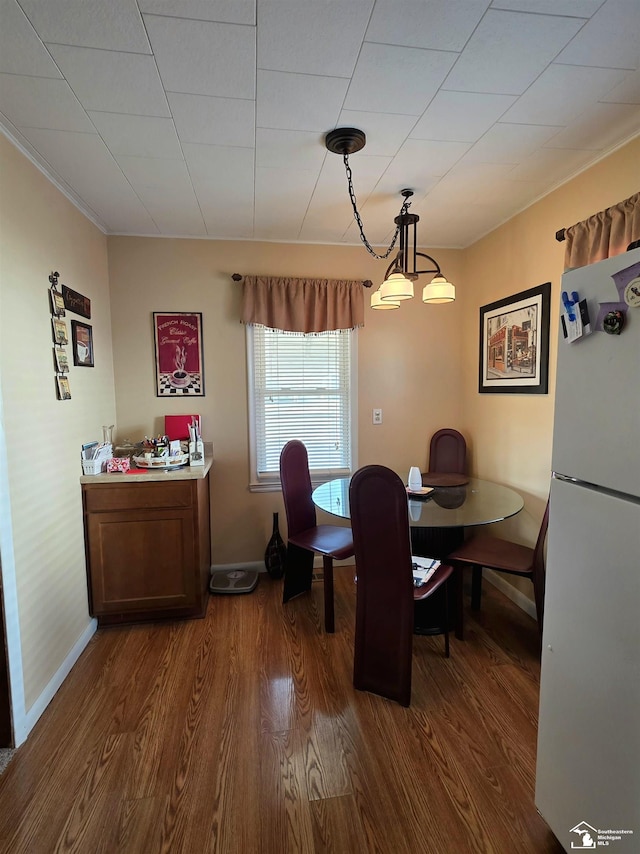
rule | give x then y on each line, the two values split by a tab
206	118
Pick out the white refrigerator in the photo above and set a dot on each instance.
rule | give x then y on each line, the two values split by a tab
588	763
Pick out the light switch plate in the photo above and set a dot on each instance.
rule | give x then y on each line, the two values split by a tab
377	416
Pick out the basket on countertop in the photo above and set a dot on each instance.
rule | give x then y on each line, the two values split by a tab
93	466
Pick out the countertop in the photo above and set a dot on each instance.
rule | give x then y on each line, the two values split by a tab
182	473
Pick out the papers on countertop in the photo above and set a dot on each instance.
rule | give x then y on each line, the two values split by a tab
423	568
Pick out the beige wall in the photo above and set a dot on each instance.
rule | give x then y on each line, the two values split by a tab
41	231
409	362
513	433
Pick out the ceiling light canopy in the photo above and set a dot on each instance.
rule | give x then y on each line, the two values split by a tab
403	270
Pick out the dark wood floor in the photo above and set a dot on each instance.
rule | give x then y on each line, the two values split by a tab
242	733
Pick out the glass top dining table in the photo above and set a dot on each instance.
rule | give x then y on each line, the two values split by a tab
478	502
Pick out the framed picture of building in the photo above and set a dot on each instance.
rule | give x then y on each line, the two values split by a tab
179	355
514	343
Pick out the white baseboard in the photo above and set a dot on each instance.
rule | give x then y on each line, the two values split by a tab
24	727
260	567
511	592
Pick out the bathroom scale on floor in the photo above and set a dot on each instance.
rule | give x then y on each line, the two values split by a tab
234	581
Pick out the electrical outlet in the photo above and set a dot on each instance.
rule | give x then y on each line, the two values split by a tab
377	416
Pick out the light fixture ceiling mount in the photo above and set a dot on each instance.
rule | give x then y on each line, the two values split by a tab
403	271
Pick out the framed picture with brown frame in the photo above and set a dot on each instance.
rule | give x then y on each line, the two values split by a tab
82	340
514	343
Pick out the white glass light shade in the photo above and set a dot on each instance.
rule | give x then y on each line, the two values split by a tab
377	303
438	290
396	287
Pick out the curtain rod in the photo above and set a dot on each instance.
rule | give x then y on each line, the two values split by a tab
367	283
560	235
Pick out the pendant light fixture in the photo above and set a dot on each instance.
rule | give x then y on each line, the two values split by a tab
403	270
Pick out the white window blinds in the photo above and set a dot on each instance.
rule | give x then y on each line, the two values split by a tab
301	388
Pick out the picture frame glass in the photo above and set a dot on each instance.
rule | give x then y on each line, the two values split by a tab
82	338
178	354
514	343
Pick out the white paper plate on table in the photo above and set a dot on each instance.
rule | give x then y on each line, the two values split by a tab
162	462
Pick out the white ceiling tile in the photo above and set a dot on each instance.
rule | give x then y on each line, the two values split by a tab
460	116
437	24
41	102
571	8
322	37
289	149
137	136
626	92
330	213
390	79
472	182
425	158
609	39
111	81
21	51
213	121
299	101
385	133
509	50
204	58
551	164
224	11
510	143
160	172
226	211
220	164
84	162
561	93
600	128
280	204
113	25
175	212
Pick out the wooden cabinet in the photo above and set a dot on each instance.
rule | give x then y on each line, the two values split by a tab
148	549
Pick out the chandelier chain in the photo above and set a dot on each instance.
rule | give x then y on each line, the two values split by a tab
405	207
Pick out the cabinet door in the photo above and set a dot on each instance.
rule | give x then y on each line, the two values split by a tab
142	560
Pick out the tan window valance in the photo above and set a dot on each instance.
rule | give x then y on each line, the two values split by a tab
302	305
604	234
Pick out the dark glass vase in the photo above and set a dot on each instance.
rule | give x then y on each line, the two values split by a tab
276	552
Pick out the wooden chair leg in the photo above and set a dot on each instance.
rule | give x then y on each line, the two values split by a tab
459	588
329	619
446	618
476	587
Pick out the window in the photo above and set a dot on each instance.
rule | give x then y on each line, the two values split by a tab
301	387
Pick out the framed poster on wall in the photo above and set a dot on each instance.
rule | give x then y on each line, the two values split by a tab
82	338
514	343
179	353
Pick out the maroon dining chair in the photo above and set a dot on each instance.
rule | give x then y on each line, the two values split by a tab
385	593
448	452
333	542
483	550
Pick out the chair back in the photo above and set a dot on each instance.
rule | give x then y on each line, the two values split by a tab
448	452
384	598
538	570
296	488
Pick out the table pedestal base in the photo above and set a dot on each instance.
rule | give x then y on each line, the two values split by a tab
429	614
